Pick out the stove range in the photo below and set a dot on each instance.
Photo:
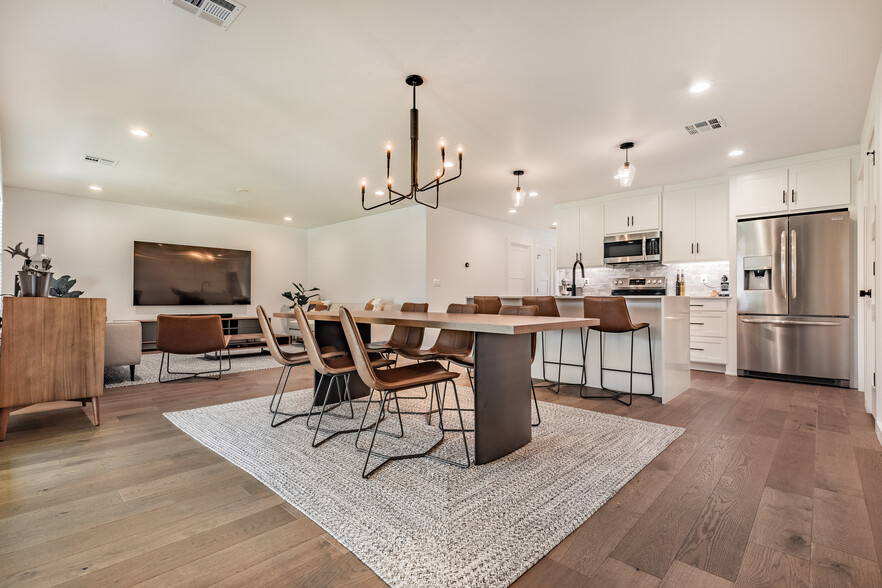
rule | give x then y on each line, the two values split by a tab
639	286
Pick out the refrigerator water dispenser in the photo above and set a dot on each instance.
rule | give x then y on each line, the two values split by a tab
758	272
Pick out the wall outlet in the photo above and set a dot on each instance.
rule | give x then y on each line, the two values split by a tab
436	282
703	278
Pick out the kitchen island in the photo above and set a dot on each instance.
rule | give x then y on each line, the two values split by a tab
668	318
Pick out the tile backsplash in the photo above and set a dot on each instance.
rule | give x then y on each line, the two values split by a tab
600	278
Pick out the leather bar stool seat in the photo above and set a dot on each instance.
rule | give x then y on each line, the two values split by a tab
488	304
548	307
388	383
615	318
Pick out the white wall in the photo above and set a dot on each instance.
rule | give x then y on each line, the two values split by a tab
92	240
381	255
454	238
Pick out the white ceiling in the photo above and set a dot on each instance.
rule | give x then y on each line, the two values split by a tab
296	100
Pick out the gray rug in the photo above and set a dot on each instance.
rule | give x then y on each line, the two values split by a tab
421	523
148	371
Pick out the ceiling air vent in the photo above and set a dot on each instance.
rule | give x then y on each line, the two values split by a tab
100	160
219	12
705	126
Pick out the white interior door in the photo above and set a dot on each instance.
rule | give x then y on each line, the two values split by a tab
542	271
519	268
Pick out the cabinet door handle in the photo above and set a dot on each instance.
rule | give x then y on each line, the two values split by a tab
696	248
632	220
696	305
793	196
628	221
692	248
696	323
696	349
783	196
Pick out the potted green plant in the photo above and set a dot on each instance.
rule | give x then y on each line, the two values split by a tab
299	295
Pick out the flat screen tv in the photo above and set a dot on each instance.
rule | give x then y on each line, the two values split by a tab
167	274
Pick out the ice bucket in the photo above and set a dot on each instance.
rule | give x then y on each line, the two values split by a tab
34	284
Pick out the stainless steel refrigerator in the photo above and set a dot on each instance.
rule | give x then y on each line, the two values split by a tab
796	298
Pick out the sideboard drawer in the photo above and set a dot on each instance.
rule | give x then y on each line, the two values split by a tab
707	350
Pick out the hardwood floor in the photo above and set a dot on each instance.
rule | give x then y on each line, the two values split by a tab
772	484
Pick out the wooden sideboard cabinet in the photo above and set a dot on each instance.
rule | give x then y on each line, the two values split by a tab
51	349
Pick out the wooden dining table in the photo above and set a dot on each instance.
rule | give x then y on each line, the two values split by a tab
502	365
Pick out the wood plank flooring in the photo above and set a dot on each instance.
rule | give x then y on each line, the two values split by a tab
772	484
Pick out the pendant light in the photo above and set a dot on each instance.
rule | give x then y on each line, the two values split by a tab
627	171
518	195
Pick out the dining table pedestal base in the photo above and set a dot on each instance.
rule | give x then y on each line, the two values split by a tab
502	395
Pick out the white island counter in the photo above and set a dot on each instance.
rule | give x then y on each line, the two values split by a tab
668	318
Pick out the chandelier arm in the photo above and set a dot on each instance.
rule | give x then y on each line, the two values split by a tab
426	204
448	179
383	203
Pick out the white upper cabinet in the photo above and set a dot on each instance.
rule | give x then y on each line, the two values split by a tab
631	215
591	234
813	185
567	236
580	236
819	184
695	224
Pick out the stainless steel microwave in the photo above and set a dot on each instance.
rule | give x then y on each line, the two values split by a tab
632	248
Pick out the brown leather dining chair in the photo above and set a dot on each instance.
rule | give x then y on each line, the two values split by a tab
287	359
402	336
488	304
615	318
191	335
334	367
450	343
388	383
548	307
469	362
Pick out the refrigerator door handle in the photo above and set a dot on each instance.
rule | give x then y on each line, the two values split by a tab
783	271
793	264
786	322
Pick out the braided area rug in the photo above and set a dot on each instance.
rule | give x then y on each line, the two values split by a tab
422	523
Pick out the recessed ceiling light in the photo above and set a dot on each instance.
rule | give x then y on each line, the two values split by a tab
512	211
736	152
139	132
241	189
699	87
554	224
96	188
533	194
288	218
379	192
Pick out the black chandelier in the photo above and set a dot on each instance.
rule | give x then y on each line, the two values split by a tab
415	189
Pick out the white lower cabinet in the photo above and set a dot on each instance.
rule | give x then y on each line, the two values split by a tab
707	333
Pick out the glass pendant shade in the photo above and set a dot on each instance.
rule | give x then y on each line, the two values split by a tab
626	174
517	196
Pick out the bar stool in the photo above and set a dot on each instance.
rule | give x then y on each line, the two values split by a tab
469	362
548	307
488	304
388	383
614	318
402	336
333	367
